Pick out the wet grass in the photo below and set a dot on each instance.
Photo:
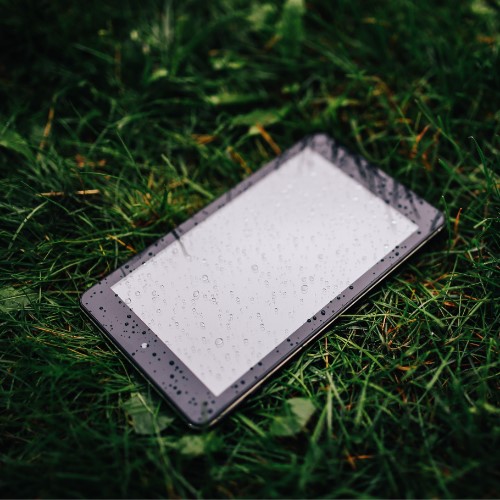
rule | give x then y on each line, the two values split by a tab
120	120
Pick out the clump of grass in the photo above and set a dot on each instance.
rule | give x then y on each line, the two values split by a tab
120	121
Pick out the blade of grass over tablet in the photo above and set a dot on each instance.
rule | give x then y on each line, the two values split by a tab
155	107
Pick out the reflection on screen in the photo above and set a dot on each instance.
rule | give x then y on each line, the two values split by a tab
243	280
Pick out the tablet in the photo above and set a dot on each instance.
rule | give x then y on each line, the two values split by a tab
213	308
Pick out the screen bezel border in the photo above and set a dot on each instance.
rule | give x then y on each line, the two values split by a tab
173	379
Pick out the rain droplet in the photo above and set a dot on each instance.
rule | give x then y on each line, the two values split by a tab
304	288
255	267
196	294
204	277
137	293
202	324
128	301
144	345
393	221
219	342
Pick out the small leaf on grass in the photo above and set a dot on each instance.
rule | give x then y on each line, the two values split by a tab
194	446
228	98
262	117
14	299
158	74
226	60
13	141
144	414
260	14
290	28
298	411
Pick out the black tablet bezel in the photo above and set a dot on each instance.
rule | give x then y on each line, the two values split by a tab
168	373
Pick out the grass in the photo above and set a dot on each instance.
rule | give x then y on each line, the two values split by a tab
121	119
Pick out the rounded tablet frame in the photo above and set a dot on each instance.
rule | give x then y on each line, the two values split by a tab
168	374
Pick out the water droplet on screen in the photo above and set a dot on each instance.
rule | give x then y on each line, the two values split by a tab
137	293
128	300
202	324
304	288
204	277
219	342
393	221
245	341
255	268
196	294
311	278
144	345
158	311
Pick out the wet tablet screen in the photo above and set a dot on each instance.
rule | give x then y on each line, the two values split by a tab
238	284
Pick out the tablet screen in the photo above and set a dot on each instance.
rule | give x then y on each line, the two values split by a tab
231	289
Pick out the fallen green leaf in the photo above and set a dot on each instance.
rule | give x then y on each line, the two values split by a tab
228	98
15	142
14	299
260	14
290	28
194	446
262	117
144	414
298	411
